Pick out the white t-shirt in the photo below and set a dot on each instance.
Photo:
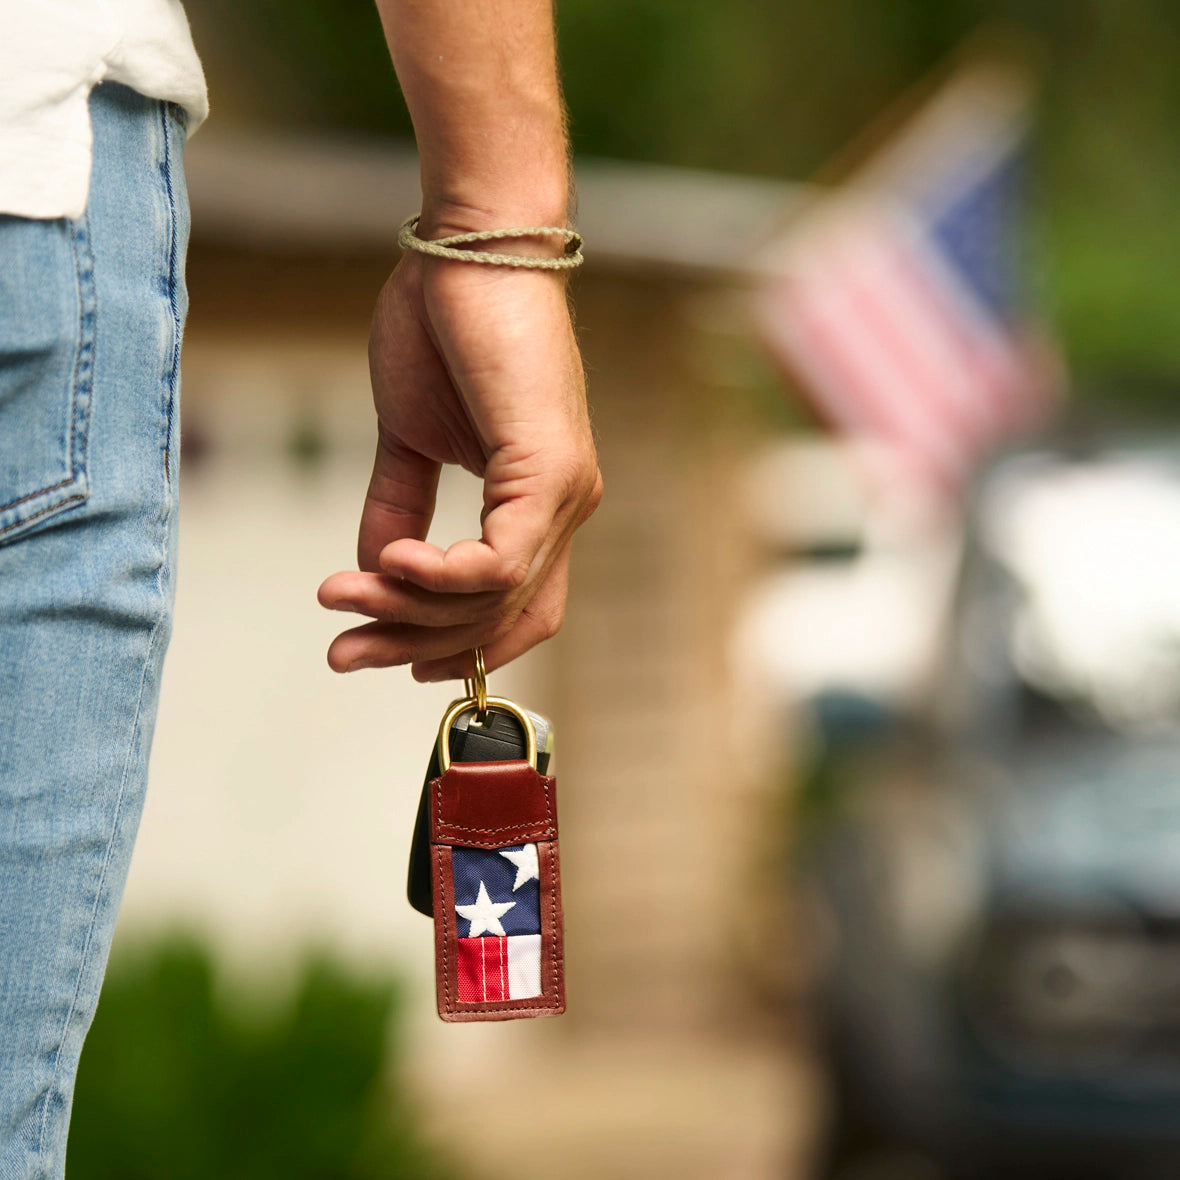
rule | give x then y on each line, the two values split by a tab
52	53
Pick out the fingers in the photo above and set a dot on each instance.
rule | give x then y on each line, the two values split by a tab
466	567
390	600
528	519
385	645
430	605
540	620
486	375
440	652
399	502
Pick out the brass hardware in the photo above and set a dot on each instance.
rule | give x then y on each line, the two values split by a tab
478	686
458	708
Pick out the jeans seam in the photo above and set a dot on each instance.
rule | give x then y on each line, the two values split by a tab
88	345
157	627
127	760
46	511
174	366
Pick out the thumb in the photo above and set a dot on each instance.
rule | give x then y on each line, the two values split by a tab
516	532
522	523
399	502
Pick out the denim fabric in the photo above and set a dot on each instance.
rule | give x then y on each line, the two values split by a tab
91	313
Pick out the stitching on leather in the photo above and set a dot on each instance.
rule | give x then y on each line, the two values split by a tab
446	909
543	828
553	879
549	829
524	1008
525	838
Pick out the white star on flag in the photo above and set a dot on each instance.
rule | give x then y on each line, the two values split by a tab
525	860
485	914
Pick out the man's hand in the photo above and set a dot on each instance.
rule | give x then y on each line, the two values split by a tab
475	365
472	364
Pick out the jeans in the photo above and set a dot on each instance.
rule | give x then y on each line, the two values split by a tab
91	314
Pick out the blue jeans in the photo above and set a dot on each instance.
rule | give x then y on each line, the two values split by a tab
91	313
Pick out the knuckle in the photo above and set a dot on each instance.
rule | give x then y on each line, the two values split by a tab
513	574
393	613
500	629
475	615
581	484
472	614
434	581
548	622
593	496
577	475
409	652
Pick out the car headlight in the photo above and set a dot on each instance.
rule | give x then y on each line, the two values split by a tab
1071	988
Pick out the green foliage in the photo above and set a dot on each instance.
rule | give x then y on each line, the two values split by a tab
305	63
1112	175
778	88
178	1083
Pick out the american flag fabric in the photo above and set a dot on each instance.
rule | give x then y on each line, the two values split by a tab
896	301
498	912
496	892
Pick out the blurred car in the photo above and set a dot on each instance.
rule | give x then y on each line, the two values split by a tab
1000	882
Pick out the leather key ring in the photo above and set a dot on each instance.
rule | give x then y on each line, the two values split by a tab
495	878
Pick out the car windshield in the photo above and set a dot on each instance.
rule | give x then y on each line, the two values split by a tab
1082	589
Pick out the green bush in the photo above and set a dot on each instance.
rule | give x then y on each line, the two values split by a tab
178	1081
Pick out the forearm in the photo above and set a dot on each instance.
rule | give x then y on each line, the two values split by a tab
476	365
480	79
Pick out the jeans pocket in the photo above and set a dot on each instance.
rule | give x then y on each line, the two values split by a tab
47	327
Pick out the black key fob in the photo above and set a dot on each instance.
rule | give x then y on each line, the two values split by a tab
499	738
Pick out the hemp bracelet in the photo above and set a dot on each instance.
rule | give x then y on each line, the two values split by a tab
446	247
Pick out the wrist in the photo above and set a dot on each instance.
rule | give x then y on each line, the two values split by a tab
470	207
441	218
473	247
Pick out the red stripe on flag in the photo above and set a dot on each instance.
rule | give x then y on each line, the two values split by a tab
483	969
924	338
858	378
927	392
1000	373
890	342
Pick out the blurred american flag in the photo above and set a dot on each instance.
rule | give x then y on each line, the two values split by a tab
896	300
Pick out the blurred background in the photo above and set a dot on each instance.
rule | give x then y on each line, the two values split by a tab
866	699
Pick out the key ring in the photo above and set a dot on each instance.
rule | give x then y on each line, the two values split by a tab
458	708
477	688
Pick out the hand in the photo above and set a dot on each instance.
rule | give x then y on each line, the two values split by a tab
478	366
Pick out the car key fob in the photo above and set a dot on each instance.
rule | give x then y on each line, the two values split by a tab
499	737
490	862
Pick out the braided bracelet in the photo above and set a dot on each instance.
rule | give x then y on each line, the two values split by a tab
445	247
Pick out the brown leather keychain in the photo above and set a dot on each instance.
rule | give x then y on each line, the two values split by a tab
495	874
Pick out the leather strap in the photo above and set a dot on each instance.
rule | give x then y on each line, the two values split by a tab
487	806
492	805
